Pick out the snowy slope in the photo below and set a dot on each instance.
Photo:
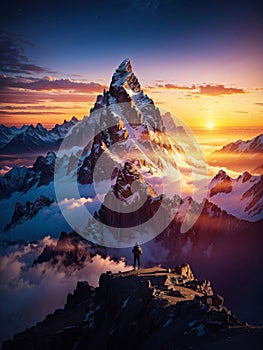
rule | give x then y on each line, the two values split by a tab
241	197
254	145
30	139
139	135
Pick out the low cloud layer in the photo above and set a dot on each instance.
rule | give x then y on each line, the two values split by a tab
217	90
28	293
49	83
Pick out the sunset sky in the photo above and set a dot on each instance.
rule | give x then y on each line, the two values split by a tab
201	60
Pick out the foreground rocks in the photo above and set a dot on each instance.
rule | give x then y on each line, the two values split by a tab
152	308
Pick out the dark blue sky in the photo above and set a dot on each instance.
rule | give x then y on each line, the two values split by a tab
78	36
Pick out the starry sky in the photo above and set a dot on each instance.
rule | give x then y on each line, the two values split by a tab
201	60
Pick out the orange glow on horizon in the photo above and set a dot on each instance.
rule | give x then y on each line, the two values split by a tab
192	107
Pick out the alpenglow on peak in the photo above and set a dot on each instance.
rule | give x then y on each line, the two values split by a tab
125	77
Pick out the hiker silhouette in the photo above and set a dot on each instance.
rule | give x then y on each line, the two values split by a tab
137	252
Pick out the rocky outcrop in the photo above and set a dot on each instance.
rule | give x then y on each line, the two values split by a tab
44	166
185	271
224	249
26	212
131	202
143	311
81	294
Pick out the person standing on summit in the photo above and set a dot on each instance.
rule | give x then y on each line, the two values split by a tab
137	252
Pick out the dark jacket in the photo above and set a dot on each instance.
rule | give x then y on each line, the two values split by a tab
137	250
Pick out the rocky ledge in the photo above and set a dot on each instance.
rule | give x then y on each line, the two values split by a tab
153	308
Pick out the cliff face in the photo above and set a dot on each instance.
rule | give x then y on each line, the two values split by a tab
152	308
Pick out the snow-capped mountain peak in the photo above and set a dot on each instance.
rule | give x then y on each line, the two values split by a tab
246	195
221	175
30	128
40	127
125	86
125	77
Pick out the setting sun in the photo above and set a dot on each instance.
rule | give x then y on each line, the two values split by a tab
210	125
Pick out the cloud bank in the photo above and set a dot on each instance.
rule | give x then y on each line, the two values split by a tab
204	89
29	293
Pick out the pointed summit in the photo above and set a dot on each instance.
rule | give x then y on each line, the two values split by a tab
124	88
125	65
124	77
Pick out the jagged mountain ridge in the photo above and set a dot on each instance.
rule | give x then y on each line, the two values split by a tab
7	133
152	309
21	179
26	212
130	120
254	145
32	140
240	155
246	193
133	192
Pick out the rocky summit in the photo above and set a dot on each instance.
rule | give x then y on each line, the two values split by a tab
153	308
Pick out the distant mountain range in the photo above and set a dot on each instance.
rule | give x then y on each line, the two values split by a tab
240	155
253	146
33	140
26	212
21	179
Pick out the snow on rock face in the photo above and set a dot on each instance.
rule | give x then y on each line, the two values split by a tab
246	201
124	76
8	133
31	140
125	86
222	184
254	145
132	192
136	126
22	179
45	166
129	181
